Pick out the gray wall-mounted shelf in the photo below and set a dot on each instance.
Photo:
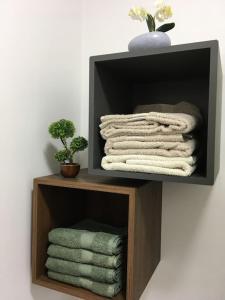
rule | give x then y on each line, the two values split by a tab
189	72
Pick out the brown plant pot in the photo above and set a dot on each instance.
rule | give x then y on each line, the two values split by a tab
69	170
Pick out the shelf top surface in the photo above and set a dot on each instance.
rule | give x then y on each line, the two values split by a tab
174	48
92	182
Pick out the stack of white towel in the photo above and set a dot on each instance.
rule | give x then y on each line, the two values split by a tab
151	142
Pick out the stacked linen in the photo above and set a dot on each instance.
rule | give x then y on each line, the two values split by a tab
152	142
87	255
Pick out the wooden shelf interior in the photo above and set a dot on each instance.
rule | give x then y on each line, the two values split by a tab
74	291
136	204
63	207
120	82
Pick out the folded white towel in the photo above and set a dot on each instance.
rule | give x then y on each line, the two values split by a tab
145	124
168	149
182	166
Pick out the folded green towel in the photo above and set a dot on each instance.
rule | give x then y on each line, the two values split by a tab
106	290
85	256
91	225
84	270
90	235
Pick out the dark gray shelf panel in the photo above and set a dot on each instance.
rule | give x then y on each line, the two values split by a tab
195	178
190	72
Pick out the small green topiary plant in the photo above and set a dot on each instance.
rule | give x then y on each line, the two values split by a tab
63	130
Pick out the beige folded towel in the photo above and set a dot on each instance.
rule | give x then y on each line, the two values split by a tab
174	122
168	149
112	142
123	122
151	123
182	166
124	118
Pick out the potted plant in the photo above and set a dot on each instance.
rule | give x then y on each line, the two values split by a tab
156	37
64	130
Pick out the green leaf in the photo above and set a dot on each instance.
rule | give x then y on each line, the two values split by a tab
78	144
62	156
62	129
166	27
151	23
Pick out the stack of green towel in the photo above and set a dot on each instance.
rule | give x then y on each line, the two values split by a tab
88	255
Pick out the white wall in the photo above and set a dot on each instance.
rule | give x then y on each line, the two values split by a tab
43	77
40	63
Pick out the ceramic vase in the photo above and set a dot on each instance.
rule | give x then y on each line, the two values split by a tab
148	41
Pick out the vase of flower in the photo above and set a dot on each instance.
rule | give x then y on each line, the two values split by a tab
156	37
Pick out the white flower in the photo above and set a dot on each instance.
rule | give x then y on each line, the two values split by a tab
159	3
138	13
164	12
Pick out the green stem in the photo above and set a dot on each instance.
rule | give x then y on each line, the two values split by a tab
70	155
150	23
64	144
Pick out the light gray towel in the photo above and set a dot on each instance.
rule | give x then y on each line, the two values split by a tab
181	107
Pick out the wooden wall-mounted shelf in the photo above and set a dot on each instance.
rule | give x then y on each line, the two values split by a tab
137	204
189	72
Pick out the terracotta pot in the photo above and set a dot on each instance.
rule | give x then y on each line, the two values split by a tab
69	170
